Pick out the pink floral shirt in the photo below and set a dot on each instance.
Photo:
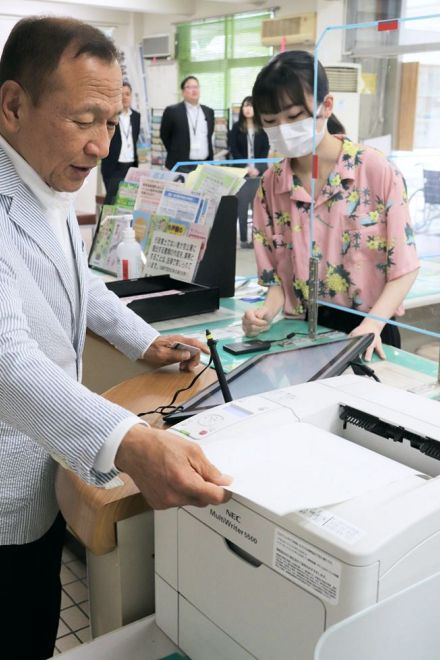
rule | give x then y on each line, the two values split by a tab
362	231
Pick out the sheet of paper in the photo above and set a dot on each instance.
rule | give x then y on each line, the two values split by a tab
297	466
221	314
157	294
174	255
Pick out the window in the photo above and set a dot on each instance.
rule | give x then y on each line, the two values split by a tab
225	54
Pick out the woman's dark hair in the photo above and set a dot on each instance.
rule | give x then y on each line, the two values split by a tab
36	44
242	119
289	76
334	126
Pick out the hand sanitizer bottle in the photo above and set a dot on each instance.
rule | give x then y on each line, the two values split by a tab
130	256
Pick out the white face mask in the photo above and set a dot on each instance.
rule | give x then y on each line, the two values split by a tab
295	139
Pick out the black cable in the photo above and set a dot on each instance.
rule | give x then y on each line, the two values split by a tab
361	369
289	336
169	408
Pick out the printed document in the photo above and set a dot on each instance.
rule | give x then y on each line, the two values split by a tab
289	466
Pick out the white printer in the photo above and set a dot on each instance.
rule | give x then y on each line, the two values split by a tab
237	581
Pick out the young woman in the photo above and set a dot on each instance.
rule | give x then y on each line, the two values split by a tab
247	140
362	231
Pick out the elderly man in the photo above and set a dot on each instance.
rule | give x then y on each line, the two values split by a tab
60	100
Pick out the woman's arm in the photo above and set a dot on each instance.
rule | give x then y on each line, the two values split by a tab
259	319
389	300
233	142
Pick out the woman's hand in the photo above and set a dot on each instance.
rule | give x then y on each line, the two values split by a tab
369	326
255	321
252	171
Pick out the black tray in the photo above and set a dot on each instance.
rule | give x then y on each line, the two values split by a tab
191	299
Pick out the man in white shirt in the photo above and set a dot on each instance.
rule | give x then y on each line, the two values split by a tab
122	154
187	128
60	101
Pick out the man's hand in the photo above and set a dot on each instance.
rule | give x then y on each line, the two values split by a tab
169	470
364	328
160	352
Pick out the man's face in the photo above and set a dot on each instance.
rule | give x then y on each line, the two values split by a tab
126	97
70	128
191	91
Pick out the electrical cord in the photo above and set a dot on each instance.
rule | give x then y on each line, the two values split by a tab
361	369
298	334
170	407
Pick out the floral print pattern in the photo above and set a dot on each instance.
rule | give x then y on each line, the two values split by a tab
362	234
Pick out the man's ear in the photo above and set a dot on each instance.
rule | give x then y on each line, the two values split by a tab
12	100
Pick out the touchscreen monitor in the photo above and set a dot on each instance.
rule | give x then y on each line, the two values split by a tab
274	370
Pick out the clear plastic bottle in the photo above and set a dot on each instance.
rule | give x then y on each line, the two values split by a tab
130	256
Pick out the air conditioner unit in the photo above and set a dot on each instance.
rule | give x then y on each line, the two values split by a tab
344	77
300	29
344	85
159	45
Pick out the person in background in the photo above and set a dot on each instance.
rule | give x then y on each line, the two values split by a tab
123	153
60	101
247	140
362	230
187	128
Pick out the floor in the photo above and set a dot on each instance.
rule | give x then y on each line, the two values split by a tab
74	626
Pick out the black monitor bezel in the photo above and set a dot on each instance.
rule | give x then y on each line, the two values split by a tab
335	367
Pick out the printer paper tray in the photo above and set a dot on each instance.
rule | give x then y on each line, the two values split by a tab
256	606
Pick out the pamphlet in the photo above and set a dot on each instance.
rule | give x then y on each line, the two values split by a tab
173	255
216	181
150	191
135	174
127	193
182	204
107	238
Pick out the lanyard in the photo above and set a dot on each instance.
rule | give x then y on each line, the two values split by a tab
127	132
250	144
194	126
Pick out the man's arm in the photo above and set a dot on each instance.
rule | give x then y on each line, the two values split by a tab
166	128
169	470
39	399
119	325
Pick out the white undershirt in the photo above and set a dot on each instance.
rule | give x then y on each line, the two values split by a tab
55	206
127	147
198	132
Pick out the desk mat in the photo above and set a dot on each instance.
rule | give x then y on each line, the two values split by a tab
232	332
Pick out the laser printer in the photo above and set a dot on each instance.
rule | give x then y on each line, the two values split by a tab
238	581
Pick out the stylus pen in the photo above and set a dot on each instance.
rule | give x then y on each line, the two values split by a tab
218	367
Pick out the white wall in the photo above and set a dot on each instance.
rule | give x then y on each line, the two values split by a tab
10	13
